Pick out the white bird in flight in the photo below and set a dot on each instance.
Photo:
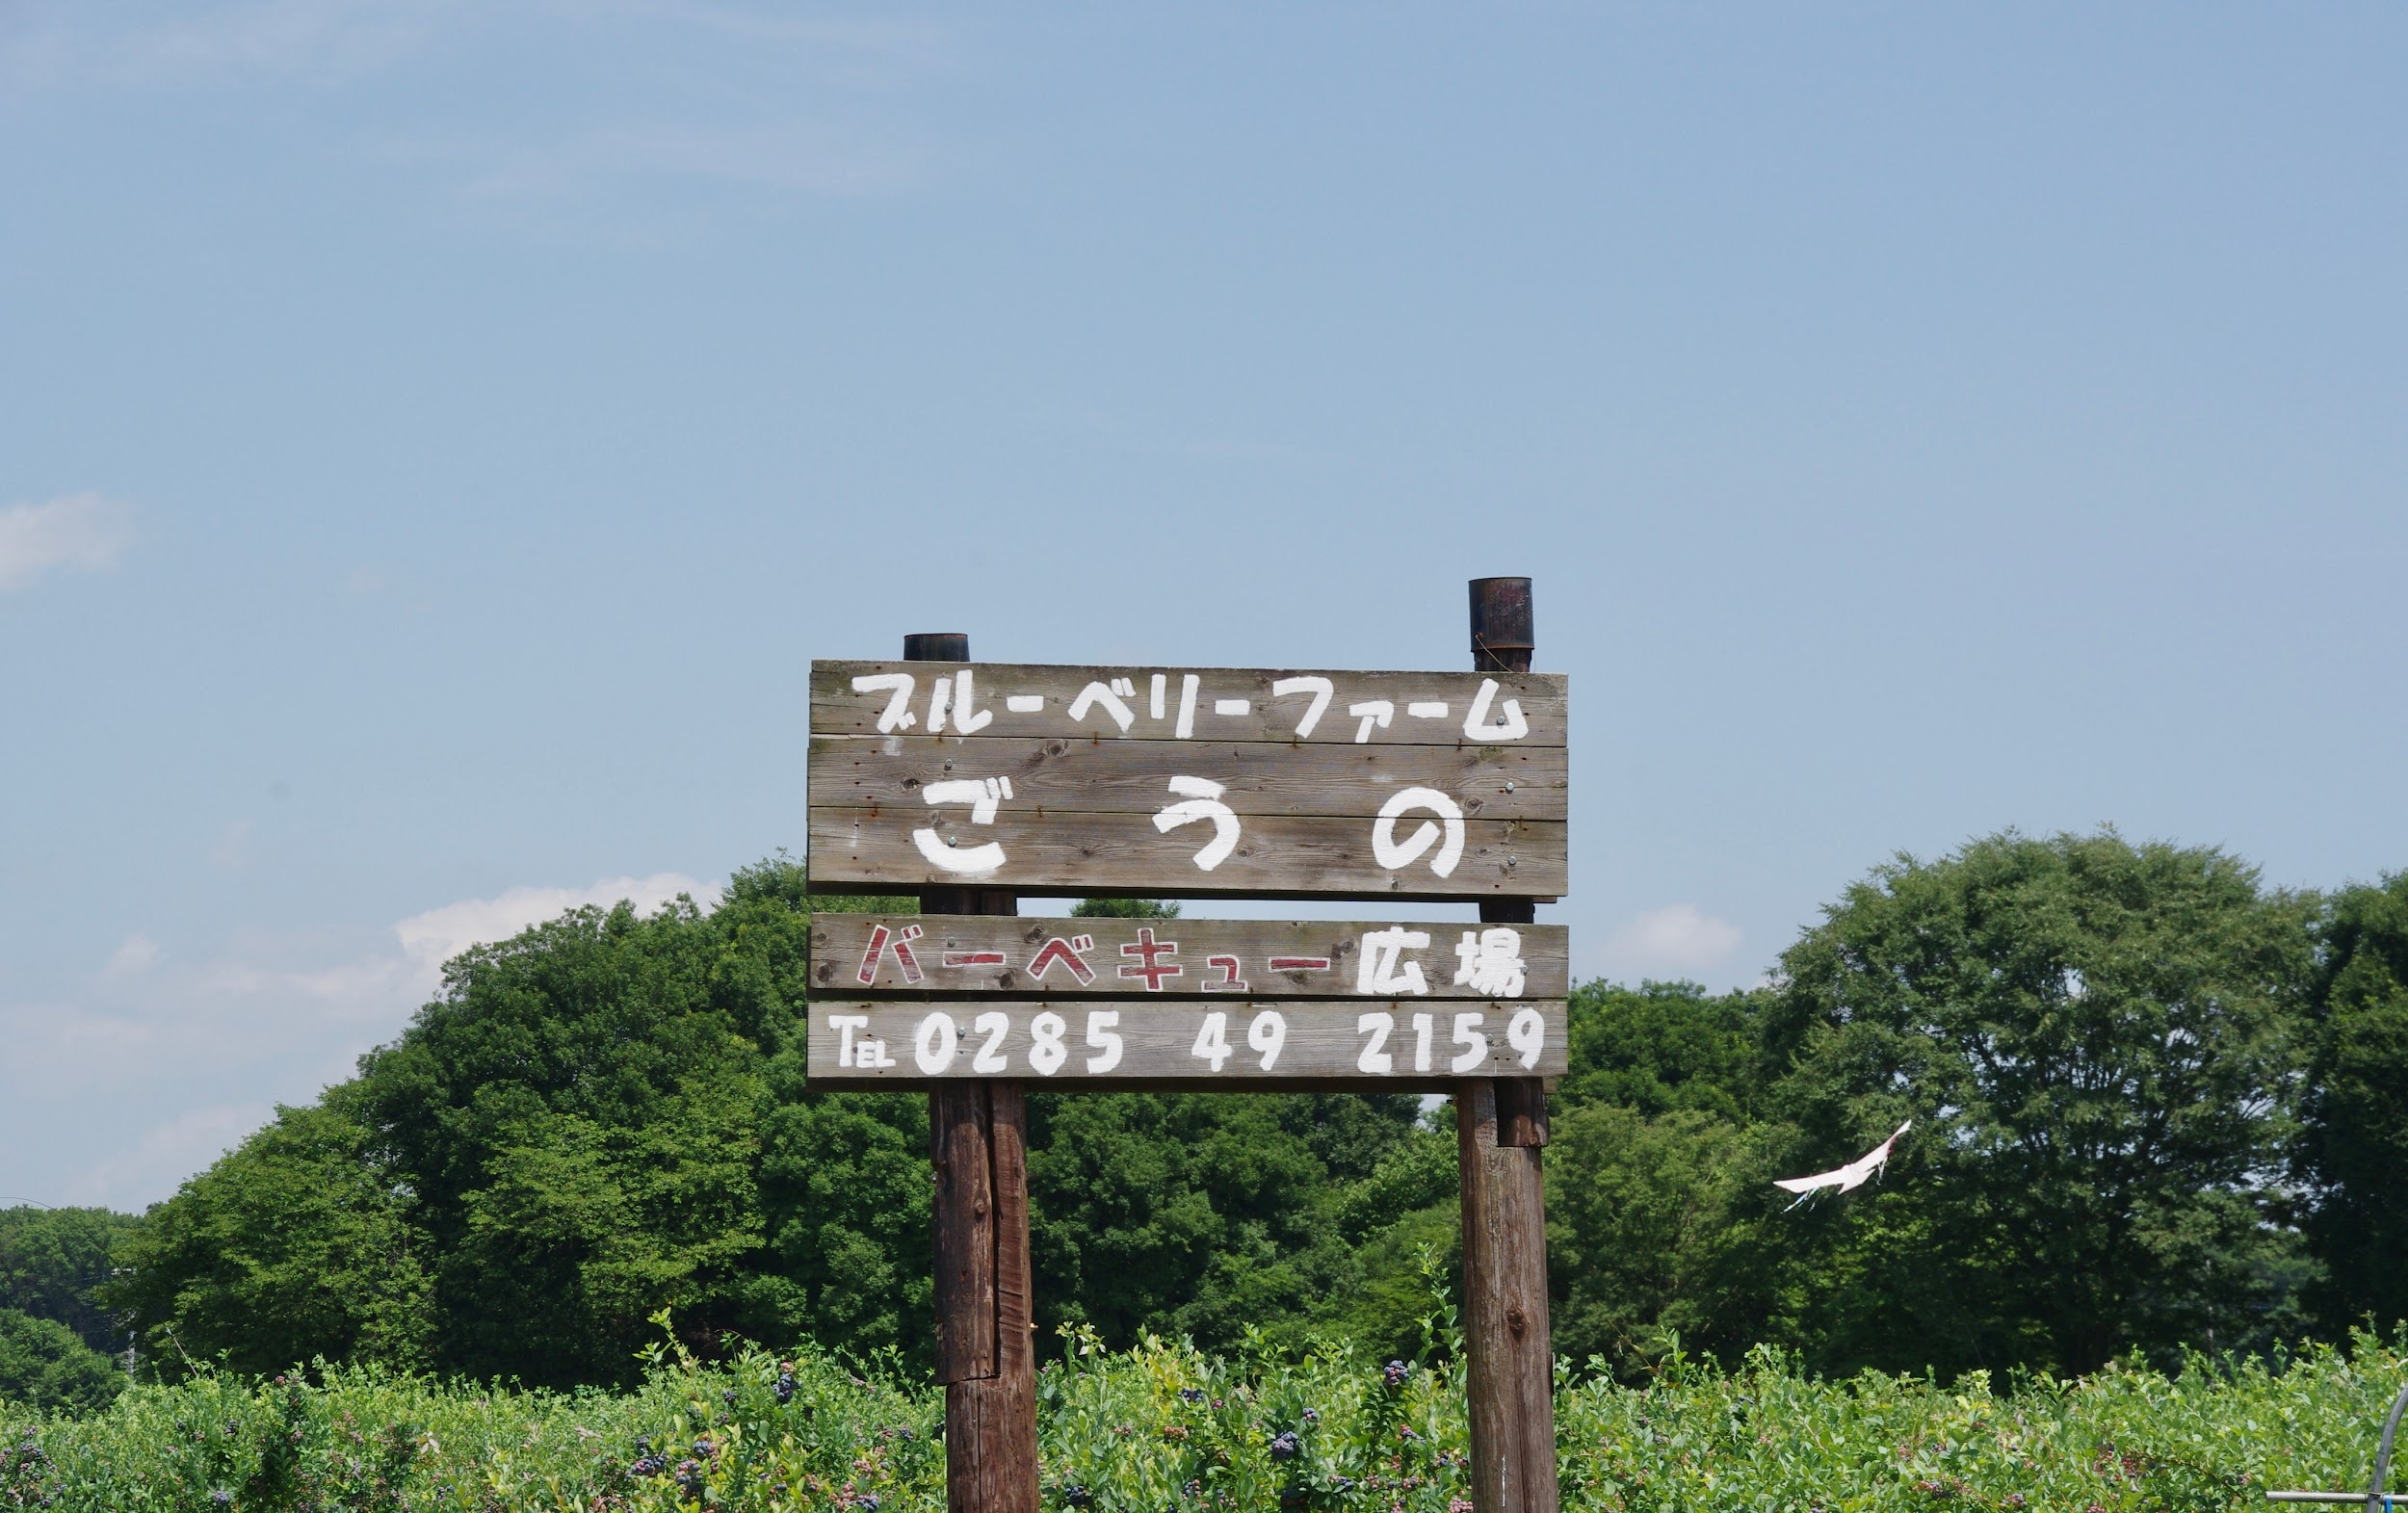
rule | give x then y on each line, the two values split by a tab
1847	1177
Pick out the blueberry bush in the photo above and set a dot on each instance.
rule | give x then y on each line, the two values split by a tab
1167	1428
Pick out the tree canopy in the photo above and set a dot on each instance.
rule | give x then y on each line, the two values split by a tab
2148	1094
54	1261
2354	1159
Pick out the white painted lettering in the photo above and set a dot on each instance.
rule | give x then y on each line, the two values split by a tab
897	715
994	1024
1397	856
1374	1058
1320	687
1212	1041
1187	706
984	797
1097	693
1046	1052
1202	797
1509	725
845	1025
1474	1043
1527	1035
933	1046
965	719
1377	971
1099	1035
1267	1034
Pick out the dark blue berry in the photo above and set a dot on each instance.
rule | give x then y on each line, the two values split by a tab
1285	1445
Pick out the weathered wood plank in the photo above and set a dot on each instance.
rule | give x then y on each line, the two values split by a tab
934	956
981	1233
959	1152
990	1420
1082	1042
1015	1285
1374	708
874	851
1499	1124
1084	775
1512	1366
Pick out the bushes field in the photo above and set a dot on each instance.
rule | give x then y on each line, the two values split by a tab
1165	1429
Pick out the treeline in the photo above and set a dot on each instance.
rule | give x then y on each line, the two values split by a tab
2156	1106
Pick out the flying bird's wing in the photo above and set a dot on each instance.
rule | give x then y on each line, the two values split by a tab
1872	1160
1850	1177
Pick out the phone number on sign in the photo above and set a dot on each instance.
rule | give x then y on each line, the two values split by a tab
1494	1040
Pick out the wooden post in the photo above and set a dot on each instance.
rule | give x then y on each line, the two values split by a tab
978	1145
1501	1123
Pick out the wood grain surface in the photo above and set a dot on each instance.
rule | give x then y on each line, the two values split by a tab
1506	1328
1075	1042
934	956
873	851
1086	774
1537	704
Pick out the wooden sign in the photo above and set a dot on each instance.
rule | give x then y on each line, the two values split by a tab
1405	1043
1187	782
950	955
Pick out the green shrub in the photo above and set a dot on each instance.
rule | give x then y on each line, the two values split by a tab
45	1366
1165	1428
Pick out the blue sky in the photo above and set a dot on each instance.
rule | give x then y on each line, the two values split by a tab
436	437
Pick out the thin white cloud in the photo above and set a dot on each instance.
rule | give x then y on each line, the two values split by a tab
165	1154
790	156
135	955
431	939
1677	938
159	1066
917	41
78	532
233	847
320	38
326	40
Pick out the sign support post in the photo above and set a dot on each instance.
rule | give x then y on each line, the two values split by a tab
979	1220
1501	1124
973	785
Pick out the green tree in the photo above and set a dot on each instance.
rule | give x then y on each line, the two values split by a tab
2355	1152
1201	1214
2098	1042
44	1367
1407	1206
1651	1238
298	1243
845	1193
1198	1213
53	1261
1123	909
578	1118
1661	1046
